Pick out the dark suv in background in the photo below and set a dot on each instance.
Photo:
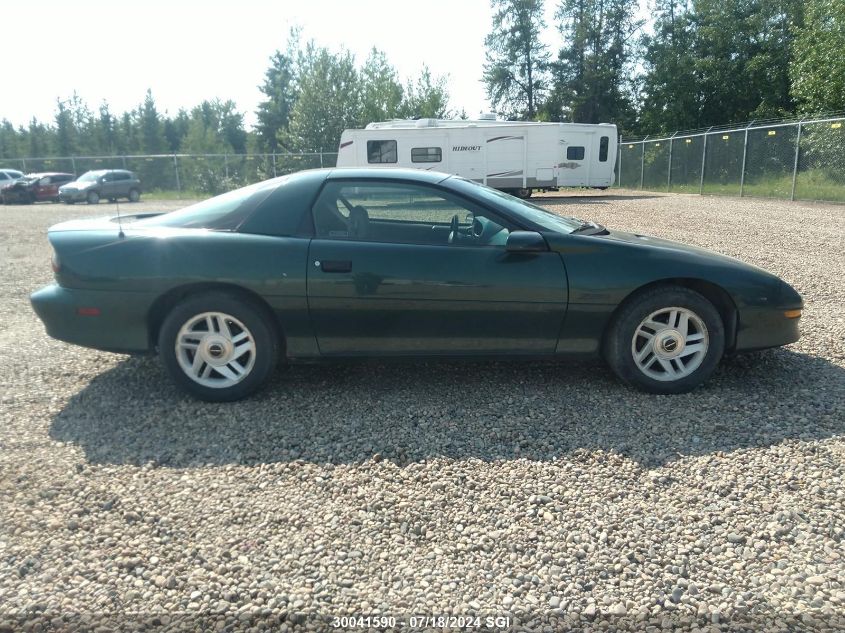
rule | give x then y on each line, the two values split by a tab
103	183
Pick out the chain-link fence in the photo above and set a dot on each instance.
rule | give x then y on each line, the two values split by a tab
793	160
184	175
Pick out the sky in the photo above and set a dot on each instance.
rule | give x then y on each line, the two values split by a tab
186	51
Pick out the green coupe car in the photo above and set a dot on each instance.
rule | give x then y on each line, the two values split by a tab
341	263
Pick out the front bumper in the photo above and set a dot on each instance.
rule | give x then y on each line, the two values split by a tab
73	196
16	195
761	328
120	326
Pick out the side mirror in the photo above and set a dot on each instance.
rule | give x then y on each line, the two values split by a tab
526	242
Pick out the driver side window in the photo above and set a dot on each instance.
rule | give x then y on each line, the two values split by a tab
403	213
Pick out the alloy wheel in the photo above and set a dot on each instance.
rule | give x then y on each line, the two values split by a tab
215	350
670	344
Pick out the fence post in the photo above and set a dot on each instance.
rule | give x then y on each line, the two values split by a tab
226	165
321	159
703	162
619	171
669	177
23	165
274	165
176	171
642	162
73	164
795	164
124	161
744	153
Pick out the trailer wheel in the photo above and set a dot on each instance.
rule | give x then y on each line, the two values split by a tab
522	193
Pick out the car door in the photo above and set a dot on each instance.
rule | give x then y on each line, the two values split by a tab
395	268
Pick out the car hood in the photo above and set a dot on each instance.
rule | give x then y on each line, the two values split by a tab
622	240
78	185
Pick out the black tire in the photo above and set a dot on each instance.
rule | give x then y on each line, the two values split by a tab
134	195
93	197
256	323
522	193
620	345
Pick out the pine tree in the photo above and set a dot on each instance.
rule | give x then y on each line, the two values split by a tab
281	89
381	91
515	74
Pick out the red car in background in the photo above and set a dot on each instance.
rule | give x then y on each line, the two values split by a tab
42	187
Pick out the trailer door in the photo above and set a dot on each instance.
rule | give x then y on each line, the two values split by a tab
504	160
575	157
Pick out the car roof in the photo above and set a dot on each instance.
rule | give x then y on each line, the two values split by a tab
41	174
398	173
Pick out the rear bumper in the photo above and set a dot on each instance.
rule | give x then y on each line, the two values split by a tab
120	325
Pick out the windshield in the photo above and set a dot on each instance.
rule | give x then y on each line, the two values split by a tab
531	212
89	176
212	213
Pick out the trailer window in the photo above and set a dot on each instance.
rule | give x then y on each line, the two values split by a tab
426	155
603	145
574	152
381	151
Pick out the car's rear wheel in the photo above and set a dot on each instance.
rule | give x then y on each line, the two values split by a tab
134	195
218	346
93	197
522	192
665	340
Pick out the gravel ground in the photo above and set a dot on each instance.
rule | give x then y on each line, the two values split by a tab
547	493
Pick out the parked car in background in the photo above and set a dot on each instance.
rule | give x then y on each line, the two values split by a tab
42	187
8	176
110	184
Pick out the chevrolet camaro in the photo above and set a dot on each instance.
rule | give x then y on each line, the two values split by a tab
341	263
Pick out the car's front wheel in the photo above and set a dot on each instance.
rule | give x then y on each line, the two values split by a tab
218	347
93	197
665	340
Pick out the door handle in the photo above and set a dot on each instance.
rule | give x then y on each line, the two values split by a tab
335	266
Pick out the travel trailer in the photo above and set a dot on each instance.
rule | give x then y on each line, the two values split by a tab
513	156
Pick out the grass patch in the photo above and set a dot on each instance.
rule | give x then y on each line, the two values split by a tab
809	185
172	194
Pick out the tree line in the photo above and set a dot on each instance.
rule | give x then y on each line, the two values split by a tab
311	95
702	63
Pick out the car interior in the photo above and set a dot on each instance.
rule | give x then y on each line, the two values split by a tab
403	215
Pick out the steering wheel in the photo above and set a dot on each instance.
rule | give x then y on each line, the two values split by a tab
454	225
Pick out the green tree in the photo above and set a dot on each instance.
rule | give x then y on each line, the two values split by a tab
741	49
38	140
381	91
594	69
515	74
176	129
105	131
817	70
151	133
281	89
10	140
426	97
329	102
670	95
66	133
